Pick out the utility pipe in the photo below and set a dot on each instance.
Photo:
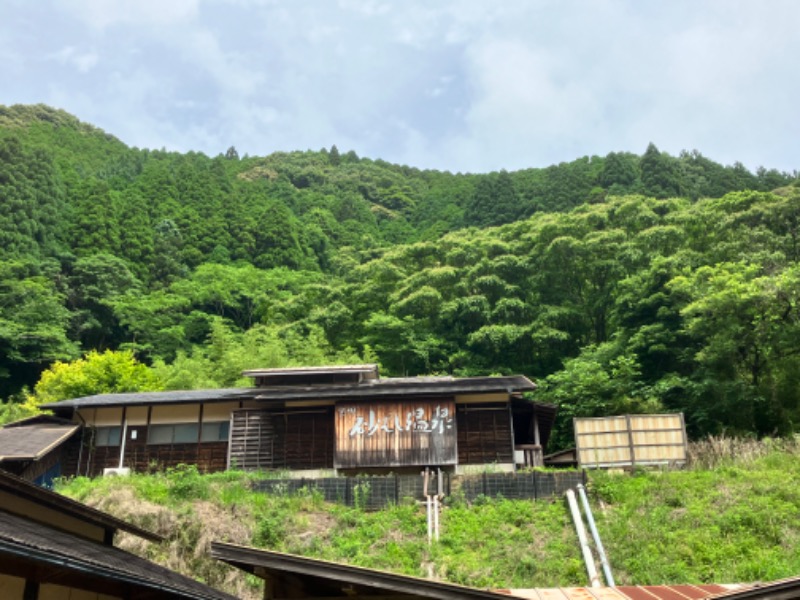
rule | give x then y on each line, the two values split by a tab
591	570
596	535
428	504
122	446
435	517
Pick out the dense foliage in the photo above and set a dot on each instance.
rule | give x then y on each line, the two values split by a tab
620	283
733	520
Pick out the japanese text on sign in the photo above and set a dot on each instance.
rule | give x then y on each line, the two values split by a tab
414	421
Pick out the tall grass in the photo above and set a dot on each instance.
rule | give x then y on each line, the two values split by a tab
723	451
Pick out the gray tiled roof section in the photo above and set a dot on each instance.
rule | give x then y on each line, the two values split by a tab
376	389
33	441
401	386
174	397
41	543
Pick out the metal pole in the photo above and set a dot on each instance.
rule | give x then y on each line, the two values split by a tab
591	570
427	504
596	535
436	518
437	502
122	445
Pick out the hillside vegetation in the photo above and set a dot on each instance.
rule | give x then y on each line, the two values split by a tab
622	283
734	516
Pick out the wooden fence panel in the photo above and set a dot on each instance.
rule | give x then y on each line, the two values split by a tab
631	440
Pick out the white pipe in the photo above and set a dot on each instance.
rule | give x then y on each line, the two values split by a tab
591	570
427	504
438	499
436	517
122	444
596	535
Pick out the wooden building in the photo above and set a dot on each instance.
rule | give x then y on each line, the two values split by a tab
53	548
344	418
40	448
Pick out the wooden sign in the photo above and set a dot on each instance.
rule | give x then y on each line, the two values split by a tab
395	434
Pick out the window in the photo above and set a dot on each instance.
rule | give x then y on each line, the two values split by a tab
215	432
108	436
183	433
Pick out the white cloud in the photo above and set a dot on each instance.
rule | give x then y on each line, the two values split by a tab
461	85
82	61
104	13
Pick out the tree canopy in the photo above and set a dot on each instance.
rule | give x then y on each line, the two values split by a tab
619	283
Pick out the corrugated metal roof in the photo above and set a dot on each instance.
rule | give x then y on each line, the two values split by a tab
626	592
31	442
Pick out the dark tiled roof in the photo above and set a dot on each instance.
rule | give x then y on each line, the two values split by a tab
31	442
368	390
20	538
300	577
782	589
400	386
27	491
130	398
369	368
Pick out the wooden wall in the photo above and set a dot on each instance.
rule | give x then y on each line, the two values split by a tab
416	432
349	435
484	434
141	457
271	439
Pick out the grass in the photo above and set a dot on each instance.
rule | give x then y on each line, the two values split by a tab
732	516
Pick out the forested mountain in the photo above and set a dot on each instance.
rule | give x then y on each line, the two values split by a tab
621	283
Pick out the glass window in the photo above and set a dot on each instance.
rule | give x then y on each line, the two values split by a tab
215	432
186	434
108	436
160	434
183	433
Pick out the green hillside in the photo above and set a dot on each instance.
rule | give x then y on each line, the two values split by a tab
733	517
621	283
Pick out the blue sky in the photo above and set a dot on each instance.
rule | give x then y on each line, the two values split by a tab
464	85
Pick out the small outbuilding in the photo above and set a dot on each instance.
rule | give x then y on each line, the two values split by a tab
40	448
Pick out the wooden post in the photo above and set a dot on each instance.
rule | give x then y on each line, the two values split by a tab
630	441
511	429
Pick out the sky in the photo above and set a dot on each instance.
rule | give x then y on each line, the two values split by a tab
462	85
